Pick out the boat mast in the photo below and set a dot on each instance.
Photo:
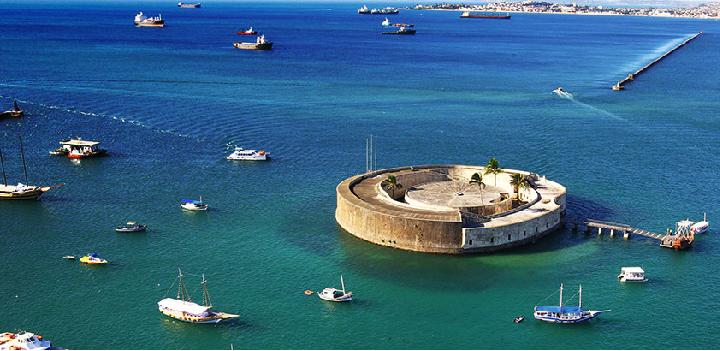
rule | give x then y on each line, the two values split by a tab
561	289
3	168
181	287
206	296
343	284
23	160
580	298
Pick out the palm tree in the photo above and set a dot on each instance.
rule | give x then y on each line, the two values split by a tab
519	181
477	179
391	183
493	166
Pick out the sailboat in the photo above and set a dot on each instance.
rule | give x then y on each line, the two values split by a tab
335	295
194	205
182	308
700	227
20	191
565	314
17	112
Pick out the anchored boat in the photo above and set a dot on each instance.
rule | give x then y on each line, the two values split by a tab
700	227
189	6
131	227
565	314
21	191
194	205
248	31
23	341
182	307
144	21
491	15
78	148
260	44
92	258
402	30
632	274
16	113
335	295
248	155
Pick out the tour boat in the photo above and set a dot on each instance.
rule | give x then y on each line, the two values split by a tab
78	148
21	191
335	295
248	155
260	44
565	314
700	227
248	31
189	6
92	258
402	30
131	227
182	307
194	205
467	14
23	341
632	274
17	112
144	21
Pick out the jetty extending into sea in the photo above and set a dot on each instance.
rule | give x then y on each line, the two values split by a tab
669	240
621	84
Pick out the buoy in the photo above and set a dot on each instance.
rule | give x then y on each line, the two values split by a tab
308	292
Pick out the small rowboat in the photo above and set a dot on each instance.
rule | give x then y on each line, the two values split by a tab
131	227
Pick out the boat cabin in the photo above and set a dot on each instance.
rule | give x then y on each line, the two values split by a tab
632	274
81	147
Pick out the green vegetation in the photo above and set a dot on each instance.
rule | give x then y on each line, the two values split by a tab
391	183
493	166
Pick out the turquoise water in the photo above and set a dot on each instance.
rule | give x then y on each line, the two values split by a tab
170	103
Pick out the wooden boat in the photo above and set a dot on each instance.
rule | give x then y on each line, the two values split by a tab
335	295
565	314
182	308
21	191
92	258
16	113
131	227
248	31
260	44
194	205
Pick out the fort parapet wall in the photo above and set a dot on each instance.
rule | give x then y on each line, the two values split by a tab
366	210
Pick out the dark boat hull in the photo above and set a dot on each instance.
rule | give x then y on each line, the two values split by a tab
253	46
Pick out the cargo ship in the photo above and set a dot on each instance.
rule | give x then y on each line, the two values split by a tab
189	6
467	14
144	21
260	44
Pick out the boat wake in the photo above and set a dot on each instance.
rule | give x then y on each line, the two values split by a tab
569	96
564	95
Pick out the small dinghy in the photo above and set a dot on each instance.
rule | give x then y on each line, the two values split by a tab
69	257
519	319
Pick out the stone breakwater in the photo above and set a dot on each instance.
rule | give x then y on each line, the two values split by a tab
446	216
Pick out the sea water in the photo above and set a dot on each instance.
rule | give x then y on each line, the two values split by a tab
170	103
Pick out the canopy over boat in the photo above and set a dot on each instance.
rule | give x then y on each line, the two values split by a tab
77	142
192	201
559	309
184	306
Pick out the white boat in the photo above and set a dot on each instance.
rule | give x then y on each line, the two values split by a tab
20	191
194	205
700	227
131	227
182	308
565	314
335	295
260	44
23	341
248	155
386	22
632	274
562	93
144	21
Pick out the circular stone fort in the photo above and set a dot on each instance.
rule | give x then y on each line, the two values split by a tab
436	209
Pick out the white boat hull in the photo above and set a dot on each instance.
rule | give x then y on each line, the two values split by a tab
566	319
193	207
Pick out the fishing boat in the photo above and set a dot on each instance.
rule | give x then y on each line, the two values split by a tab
402	30
491	15
683	237
335	295
23	341
260	44
92	258
632	274
194	205
131	227
700	227
404	25
182	307
21	191
189	6
16	113
565	314
78	148
248	155
144	21
248	31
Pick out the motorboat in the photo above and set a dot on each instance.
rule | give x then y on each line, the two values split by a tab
248	31
69	257
248	155
364	10
131	227
261	43
78	148
194	205
335	295
402	30
565	314
558	90
141	20
92	258
562	93
632	274
700	227
23	341
16	113
519	319
182	308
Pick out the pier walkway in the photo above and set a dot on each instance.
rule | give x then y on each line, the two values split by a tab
675	241
621	84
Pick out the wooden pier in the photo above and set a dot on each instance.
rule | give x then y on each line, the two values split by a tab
666	240
621	84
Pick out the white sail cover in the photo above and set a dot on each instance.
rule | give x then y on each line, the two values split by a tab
183	306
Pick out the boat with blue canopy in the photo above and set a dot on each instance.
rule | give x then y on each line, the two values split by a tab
194	205
565	314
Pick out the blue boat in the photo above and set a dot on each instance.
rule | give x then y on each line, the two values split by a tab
565	314
194	205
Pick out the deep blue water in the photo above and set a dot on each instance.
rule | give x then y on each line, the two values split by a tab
169	103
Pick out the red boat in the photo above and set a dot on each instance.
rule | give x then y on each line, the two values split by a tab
248	31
